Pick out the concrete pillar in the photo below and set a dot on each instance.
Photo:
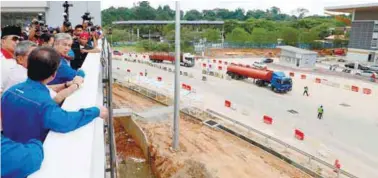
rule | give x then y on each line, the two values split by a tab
137	34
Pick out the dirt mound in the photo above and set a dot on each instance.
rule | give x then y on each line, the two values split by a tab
191	169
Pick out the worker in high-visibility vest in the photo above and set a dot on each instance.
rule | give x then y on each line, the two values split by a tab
320	112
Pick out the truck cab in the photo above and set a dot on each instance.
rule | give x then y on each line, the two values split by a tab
280	82
187	60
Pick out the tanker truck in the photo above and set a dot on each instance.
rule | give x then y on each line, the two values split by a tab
186	59
277	81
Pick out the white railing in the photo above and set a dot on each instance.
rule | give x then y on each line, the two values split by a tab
80	153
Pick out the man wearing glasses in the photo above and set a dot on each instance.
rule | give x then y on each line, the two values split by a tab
65	73
9	39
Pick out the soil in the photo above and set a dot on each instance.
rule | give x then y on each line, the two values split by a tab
203	152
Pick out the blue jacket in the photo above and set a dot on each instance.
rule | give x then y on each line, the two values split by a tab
29	112
20	160
65	73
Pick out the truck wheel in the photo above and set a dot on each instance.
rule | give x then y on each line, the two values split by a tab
273	88
185	65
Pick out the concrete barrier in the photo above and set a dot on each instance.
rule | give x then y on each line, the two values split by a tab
132	128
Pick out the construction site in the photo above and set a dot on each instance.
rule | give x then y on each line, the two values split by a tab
262	110
219	126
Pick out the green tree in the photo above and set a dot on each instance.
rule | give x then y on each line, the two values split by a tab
209	15
238	35
308	36
193	15
323	30
212	35
144	11
260	35
289	35
257	14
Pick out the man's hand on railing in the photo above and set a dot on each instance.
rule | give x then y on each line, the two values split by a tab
78	80
104	114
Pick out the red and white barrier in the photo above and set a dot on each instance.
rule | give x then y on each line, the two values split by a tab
355	88
267	120
366	91
298	134
227	104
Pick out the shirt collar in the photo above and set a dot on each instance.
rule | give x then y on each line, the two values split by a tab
6	54
36	84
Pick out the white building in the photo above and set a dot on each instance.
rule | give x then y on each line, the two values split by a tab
297	57
363	40
22	12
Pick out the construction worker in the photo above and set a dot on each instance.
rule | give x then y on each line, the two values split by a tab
305	90
320	112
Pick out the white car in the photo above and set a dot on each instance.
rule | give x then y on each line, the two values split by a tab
374	68
259	65
366	73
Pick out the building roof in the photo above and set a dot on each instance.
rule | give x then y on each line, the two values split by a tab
297	50
165	22
351	8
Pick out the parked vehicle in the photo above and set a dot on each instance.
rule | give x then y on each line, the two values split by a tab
374	68
360	67
186	59
277	81
341	60
366	73
259	65
117	53
268	60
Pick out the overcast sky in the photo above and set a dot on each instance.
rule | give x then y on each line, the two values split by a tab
286	6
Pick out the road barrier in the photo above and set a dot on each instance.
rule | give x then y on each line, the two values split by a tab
366	91
227	103
355	88
299	134
267	120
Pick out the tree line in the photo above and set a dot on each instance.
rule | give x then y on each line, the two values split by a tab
253	26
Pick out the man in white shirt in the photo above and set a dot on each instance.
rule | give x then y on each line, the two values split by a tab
10	36
18	74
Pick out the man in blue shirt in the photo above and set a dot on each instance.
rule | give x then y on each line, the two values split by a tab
65	73
20	160
29	112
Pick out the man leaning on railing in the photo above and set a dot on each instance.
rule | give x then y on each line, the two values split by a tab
29	112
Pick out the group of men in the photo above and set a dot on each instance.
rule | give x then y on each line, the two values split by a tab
36	77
